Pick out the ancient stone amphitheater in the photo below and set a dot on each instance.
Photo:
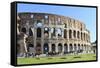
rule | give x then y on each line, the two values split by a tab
43	33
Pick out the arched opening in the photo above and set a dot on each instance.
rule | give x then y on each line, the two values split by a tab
82	47
59	31
70	47
53	32
39	23
65	25
70	34
53	47
30	32
38	32
30	48
78	46
81	35
65	33
75	47
59	47
74	34
78	34
46	32
46	48
84	36
38	48
85	47
65	48
23	30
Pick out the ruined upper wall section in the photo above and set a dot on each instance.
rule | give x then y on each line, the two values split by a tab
52	19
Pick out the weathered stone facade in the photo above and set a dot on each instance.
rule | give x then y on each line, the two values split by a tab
94	47
49	32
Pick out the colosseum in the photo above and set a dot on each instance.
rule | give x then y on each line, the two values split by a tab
41	33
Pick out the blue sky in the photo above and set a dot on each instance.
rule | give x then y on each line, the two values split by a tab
84	14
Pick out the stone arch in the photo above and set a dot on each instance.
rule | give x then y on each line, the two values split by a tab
78	46
65	25
65	33
30	48
38	48
30	32
59	47
53	47
39	32
45	48
82	47
74	34
23	30
70	47
59	32
81	26
46	32
81	36
78	33
84	36
85	47
75	47
65	48
70	34
74	24
87	38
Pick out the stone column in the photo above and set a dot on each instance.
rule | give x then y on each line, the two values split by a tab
84	36
79	35
56	47
76	35
88	38
72	34
77	47
68	47
27	27
49	33
84	47
88	48
34	37
24	41
56	33
62	33
80	46
18	29
42	38
63	47
73	47
50	47
68	34
32	29
22	49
